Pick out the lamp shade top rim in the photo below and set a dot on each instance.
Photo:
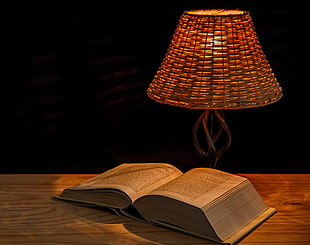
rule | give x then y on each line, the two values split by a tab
216	12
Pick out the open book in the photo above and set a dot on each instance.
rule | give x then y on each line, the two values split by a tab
203	202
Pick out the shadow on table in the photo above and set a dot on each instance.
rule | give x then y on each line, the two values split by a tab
163	235
138	231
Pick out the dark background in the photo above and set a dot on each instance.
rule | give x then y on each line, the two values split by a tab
74	76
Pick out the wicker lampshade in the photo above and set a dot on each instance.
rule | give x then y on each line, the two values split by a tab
215	61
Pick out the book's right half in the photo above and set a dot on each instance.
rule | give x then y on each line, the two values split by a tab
209	203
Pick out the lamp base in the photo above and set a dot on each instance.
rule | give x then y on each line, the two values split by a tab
213	132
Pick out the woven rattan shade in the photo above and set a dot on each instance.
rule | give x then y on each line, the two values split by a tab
215	61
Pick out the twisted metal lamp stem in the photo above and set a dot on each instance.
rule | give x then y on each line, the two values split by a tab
213	131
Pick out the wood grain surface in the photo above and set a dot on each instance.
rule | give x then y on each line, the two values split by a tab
29	215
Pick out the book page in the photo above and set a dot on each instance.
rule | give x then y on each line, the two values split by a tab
135	179
199	186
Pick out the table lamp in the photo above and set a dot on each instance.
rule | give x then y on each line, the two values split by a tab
214	62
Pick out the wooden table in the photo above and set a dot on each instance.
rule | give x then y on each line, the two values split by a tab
29	215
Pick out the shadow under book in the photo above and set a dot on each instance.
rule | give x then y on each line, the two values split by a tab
202	202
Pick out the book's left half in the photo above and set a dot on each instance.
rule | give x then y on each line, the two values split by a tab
119	187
